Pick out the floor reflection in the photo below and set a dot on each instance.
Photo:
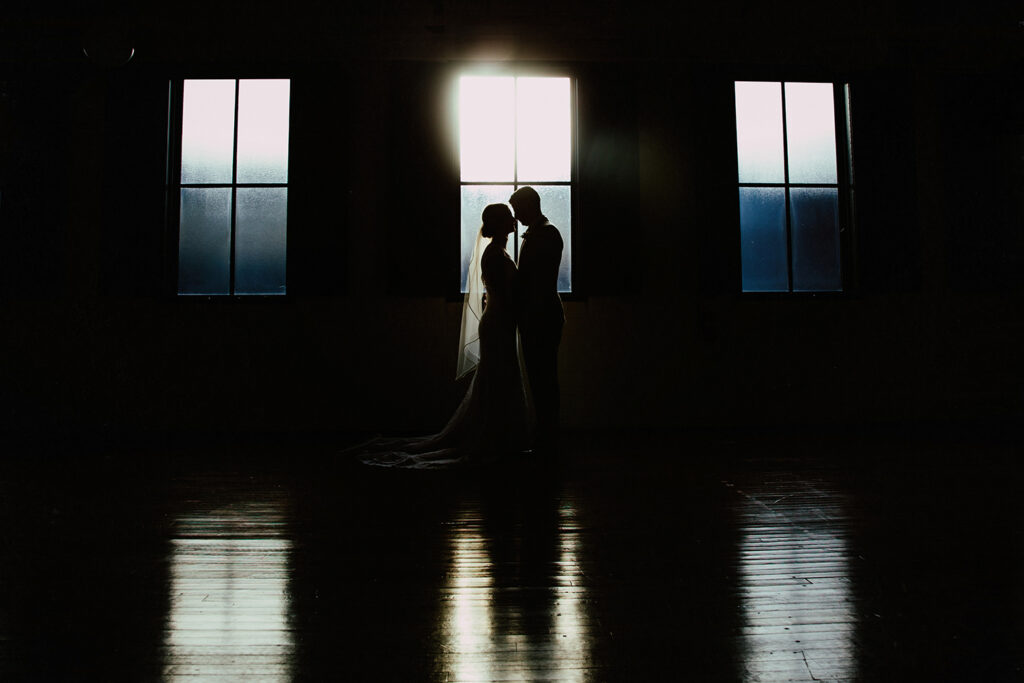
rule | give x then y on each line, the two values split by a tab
514	609
229	605
796	594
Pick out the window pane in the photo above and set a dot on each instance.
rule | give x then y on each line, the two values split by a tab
204	242
474	199
815	230
261	219
543	133
263	131
811	132
763	239
487	128
207	131
556	203
759	132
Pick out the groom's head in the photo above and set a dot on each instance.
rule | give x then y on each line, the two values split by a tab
526	203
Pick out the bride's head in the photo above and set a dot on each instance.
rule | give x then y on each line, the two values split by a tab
498	221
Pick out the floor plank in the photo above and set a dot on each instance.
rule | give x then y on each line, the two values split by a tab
739	560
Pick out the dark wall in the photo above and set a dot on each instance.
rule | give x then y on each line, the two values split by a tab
94	339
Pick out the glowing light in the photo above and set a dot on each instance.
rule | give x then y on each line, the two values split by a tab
759	132
491	627
471	618
207	131
213	149
543	129
487	128
790	236
811	132
796	592
263	107
516	131
570	632
229	596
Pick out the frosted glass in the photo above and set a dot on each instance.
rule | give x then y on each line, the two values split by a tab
814	215
543	130
556	203
261	220
811	132
763	239
263	130
207	131
204	241
487	128
759	132
474	199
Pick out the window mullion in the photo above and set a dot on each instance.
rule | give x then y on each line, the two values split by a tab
844	177
172	200
785	176
515	159
234	193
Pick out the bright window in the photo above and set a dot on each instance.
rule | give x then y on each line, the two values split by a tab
515	131
233	186
794	184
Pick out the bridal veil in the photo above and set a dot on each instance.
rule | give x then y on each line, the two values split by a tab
472	311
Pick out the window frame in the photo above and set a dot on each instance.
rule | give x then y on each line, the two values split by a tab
845	186
572	242
174	186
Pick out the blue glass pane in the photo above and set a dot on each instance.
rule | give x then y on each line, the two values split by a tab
815	226
474	199
261	220
763	239
556	203
204	241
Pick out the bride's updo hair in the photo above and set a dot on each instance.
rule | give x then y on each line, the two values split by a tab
496	218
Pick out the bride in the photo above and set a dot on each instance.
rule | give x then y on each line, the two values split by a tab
492	418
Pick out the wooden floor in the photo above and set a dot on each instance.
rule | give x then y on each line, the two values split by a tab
636	559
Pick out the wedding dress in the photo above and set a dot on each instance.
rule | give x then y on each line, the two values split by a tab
492	418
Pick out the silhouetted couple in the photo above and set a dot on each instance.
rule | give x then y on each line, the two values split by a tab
494	418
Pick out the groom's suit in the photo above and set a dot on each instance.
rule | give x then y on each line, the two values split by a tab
540	326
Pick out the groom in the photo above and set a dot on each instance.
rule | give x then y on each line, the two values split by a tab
541	319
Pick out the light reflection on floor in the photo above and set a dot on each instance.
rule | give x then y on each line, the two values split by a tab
229	603
795	588
489	624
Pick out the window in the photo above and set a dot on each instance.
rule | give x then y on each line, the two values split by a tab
515	131
794	184
232	186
